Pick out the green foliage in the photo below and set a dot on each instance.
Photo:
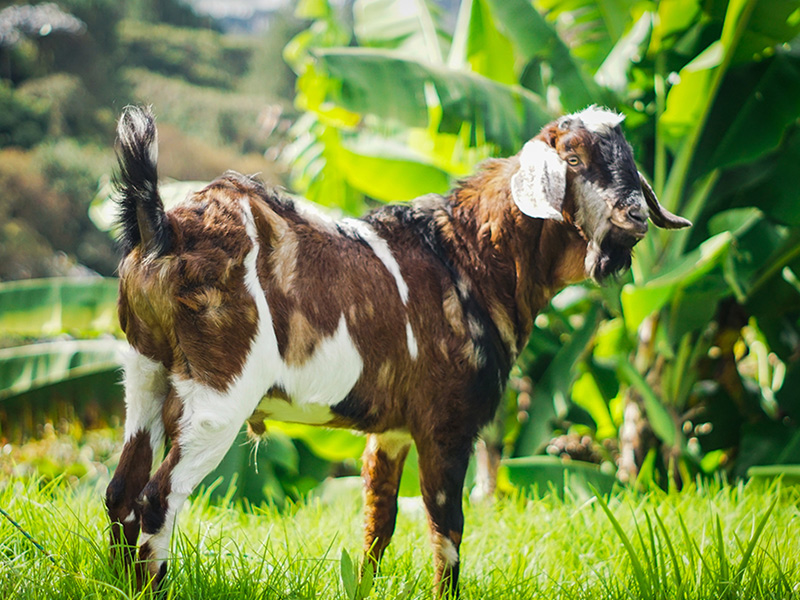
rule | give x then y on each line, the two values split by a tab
548	474
201	57
172	12
73	172
355	587
22	124
43	211
206	113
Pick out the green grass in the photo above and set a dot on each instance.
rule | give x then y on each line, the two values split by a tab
703	543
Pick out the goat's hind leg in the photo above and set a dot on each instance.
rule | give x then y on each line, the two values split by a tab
146	387
382	466
205	429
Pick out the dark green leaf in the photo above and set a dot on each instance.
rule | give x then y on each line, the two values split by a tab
755	105
535	38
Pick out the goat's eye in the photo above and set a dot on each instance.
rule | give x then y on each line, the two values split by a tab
573	160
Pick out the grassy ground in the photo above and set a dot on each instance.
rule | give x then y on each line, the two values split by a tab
709	542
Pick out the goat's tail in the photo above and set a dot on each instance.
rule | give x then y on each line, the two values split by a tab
141	212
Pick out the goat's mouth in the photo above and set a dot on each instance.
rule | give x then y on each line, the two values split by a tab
634	229
614	253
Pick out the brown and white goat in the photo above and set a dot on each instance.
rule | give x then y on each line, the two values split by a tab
240	306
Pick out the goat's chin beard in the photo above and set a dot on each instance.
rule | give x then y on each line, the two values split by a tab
609	257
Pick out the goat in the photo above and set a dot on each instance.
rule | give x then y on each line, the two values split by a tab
239	306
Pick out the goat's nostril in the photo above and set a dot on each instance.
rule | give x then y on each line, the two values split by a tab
637	215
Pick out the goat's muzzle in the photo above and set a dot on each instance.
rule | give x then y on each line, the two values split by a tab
630	222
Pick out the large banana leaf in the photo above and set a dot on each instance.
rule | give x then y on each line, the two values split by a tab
479	45
536	39
766	93
590	28
49	307
409	26
748	27
388	86
26	368
639	301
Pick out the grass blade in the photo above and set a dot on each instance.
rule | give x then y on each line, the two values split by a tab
748	553
676	572
636	565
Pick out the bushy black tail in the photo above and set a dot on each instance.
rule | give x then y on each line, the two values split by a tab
141	211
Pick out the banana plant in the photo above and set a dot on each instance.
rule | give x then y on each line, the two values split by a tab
690	320
710	92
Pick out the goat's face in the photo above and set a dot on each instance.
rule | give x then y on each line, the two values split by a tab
581	169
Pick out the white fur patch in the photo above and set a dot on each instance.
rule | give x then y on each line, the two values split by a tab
447	550
328	375
130	518
411	341
441	498
598	120
381	249
146	387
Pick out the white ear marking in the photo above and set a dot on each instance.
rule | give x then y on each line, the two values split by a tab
538	187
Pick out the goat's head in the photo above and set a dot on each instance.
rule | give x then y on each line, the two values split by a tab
580	169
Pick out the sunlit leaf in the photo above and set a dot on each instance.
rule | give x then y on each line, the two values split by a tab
49	307
586	394
330	444
478	44
640	301
408	26
388	172
536	39
393	88
589	27
25	368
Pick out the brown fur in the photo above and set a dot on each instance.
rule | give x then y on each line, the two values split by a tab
381	473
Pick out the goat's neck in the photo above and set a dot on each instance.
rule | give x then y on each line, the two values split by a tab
512	259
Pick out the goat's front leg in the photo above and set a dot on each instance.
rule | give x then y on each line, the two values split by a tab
442	468
382	466
146	388
206	430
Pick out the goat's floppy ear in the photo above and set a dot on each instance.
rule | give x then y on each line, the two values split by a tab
538	187
659	215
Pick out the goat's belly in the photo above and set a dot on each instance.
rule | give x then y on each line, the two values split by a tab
281	409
